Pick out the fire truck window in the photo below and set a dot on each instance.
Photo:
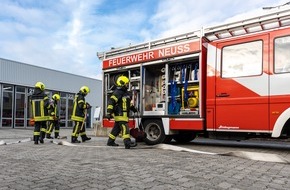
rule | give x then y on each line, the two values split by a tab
242	60
282	54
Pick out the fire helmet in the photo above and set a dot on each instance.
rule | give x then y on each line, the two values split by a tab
122	81
85	90
56	97
40	85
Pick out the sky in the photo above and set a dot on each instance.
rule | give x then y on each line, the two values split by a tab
65	35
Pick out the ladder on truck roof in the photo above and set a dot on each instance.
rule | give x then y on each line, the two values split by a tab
150	45
271	20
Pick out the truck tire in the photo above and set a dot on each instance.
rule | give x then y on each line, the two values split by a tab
155	132
184	137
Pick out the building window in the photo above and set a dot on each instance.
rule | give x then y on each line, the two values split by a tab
7	105
65	111
70	108
62	110
20	111
242	60
29	108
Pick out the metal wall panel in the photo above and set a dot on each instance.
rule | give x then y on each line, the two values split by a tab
17	73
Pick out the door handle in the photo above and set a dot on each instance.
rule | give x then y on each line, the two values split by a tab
223	94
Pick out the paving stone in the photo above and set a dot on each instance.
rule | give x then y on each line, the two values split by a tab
51	166
224	185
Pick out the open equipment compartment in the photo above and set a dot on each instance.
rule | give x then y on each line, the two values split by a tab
172	88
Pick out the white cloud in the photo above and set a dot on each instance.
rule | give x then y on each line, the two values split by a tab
175	17
66	35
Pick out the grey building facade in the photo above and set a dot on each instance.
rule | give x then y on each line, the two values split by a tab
17	82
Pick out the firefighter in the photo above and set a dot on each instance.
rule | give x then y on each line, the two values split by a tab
79	114
40	106
119	106
53	122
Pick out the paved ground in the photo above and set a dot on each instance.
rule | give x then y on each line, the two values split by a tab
91	165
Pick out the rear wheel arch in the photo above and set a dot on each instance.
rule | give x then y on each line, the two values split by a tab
281	124
286	128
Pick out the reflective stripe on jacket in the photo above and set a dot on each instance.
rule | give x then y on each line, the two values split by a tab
40	105
79	107
119	104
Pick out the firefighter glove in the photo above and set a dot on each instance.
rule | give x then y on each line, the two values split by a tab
109	116
88	106
133	109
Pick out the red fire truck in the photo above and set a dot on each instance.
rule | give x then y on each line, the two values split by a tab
229	81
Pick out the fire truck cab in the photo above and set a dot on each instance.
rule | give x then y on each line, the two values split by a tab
226	81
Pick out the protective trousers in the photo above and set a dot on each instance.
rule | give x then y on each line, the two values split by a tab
56	128
39	131
118	127
50	126
79	129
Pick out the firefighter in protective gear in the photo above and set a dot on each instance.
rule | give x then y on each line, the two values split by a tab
119	106
79	114
53	122
40	105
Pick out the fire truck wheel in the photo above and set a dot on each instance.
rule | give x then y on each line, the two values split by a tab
184	137
155	132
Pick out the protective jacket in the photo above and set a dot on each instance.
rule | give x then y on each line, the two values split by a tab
120	105
40	105
79	107
53	111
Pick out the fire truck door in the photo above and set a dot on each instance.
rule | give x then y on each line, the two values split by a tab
279	78
242	85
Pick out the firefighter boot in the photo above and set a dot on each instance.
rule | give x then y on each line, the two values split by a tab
85	138
42	136
75	140
111	142
56	135
128	143
41	140
48	136
36	138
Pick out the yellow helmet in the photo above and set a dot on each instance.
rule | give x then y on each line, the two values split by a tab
40	85
122	81
56	97
85	90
